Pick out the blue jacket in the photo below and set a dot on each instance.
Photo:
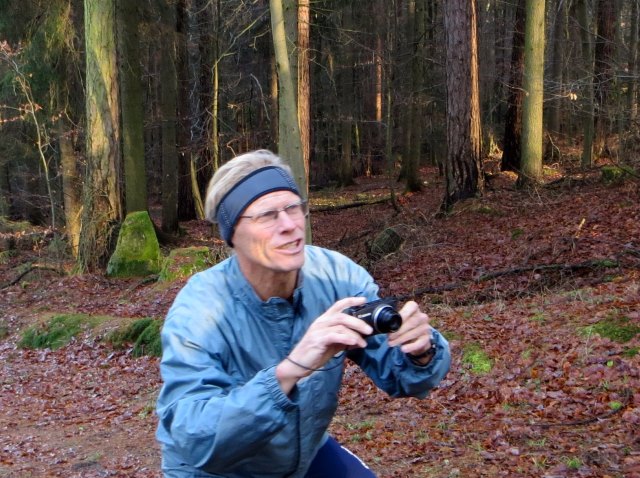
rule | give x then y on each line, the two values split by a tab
221	410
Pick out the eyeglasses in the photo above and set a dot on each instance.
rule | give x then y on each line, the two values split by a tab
269	218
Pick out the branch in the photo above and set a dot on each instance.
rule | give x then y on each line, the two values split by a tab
592	264
339	207
32	267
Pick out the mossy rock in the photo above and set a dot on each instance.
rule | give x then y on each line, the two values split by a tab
386	242
185	262
616	174
143	333
137	252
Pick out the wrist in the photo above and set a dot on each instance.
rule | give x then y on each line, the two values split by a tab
425	357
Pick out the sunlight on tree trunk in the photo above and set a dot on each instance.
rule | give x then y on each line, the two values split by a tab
463	166
532	84
289	143
102	197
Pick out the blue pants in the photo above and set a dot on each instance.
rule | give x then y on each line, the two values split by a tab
335	461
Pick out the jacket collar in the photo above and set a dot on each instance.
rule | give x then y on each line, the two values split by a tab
274	308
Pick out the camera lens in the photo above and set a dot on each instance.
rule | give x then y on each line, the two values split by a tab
386	319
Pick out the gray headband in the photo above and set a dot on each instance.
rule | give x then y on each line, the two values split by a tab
260	182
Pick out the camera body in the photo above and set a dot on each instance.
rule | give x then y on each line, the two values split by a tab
380	314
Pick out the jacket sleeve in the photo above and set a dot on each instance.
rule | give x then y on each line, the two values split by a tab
207	414
392	371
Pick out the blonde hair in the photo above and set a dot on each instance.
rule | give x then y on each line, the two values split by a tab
233	171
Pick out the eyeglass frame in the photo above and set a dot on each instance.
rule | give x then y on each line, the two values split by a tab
304	204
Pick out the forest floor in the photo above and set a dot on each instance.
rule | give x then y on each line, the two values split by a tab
537	290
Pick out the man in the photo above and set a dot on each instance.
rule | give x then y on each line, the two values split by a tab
254	348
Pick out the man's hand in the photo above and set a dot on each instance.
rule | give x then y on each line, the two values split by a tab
332	332
414	337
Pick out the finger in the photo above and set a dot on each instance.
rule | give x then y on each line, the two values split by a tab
347	302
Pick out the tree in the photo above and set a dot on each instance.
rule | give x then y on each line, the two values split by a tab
289	143
304	82
512	143
168	107
604	73
588	107
128	15
102	195
533	86
463	167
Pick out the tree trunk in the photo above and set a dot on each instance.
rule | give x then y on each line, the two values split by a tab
463	167
632	95
557	66
5	189
604	74
289	142
168	107
589	102
511	155
533	86
71	187
135	177
289	145
304	83
102	199
413	116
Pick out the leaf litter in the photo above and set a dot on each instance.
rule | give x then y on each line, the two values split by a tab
524	276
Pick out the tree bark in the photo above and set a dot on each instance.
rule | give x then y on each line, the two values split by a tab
168	107
588	102
604	73
511	155
135	177
102	196
304	83
463	167
289	145
71	187
533	86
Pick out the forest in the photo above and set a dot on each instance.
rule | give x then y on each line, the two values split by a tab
481	157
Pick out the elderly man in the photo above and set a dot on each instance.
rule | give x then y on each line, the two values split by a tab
254	347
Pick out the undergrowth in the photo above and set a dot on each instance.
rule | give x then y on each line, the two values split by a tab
58	331
142	334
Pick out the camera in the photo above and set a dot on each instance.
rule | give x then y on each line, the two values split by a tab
380	314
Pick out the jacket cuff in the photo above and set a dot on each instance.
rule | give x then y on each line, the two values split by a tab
287	402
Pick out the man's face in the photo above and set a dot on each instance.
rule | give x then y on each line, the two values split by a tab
273	247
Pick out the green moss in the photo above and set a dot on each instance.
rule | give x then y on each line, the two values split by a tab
185	262
57	332
137	252
516	233
477	359
615	174
122	336
149	343
144	334
618	329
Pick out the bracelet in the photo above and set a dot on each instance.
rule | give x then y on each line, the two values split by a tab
430	352
309	369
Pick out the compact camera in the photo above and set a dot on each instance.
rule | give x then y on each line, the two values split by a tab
380	314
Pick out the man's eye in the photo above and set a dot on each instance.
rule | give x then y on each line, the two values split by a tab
292	208
267	216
